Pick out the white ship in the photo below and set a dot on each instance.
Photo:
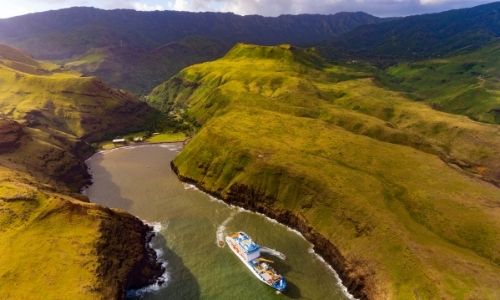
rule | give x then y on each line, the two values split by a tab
249	253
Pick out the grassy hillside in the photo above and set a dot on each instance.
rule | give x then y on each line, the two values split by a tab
398	188
56	247
60	111
54	244
467	84
41	95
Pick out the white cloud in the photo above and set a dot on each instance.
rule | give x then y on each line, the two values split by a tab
245	7
146	7
277	7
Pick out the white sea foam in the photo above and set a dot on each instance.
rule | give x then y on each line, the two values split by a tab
157	226
162	281
310	250
273	252
335	274
171	147
188	186
221	229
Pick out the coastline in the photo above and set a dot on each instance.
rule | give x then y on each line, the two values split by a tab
239	197
146	268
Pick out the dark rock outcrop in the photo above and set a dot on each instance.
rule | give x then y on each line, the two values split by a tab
11	133
126	260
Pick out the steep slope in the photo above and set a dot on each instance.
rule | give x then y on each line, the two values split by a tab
387	189
131	40
140	70
420	37
466	84
54	244
57	247
43	96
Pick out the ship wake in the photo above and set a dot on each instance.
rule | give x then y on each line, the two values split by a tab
221	230
273	252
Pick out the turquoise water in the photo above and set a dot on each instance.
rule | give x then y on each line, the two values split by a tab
190	222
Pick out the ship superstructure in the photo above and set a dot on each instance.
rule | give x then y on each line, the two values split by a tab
249	253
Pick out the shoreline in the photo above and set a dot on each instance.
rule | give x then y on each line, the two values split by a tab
295	231
355	285
352	286
150	270
136	145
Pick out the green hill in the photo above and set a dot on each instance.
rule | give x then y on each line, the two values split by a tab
60	111
41	95
350	164
53	243
467	84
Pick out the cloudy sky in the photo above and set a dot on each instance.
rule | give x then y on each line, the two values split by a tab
382	8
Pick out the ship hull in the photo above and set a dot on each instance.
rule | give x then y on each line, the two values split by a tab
249	266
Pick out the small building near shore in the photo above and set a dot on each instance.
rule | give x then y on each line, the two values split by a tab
119	141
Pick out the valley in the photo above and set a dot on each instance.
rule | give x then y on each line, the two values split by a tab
373	141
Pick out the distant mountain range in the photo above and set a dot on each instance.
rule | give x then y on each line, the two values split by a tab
138	50
420	37
376	138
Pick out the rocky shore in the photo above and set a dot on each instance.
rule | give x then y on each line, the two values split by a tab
353	278
126	260
105	251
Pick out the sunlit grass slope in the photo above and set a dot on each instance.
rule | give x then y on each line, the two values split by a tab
399	188
43	96
467	84
59	111
52	245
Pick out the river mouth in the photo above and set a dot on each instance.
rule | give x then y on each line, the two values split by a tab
191	228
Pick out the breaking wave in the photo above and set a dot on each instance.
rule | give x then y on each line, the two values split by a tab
162	281
335	274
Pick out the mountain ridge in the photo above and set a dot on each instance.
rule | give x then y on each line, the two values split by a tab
131	39
421	36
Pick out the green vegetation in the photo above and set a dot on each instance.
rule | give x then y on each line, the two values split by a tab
138	50
52	245
146	137
140	72
467	84
65	101
419	37
88	63
167	137
399	188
